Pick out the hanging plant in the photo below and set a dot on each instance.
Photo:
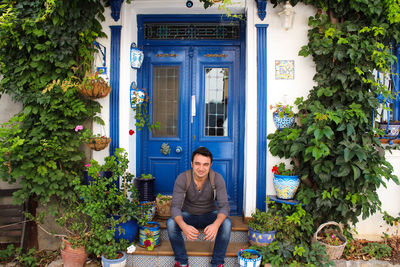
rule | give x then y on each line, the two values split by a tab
140	102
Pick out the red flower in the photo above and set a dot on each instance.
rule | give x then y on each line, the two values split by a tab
275	170
147	243
131	132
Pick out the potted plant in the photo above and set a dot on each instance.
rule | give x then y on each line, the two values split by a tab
261	227
333	240
145	186
283	116
94	86
163	206
93	141
249	258
109	207
149	235
285	181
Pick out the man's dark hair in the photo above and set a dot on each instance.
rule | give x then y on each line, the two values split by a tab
204	152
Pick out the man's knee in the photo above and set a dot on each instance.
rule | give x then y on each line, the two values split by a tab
171	224
227	225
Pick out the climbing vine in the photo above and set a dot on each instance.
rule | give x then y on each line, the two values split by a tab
334	148
41	42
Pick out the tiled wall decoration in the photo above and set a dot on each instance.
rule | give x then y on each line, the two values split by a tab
284	69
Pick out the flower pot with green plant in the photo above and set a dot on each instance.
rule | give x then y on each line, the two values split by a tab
94	86
262	227
109	206
249	258
285	181
163	206
283	116
145	186
332	238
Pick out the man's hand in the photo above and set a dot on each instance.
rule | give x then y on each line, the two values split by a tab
211	232
190	232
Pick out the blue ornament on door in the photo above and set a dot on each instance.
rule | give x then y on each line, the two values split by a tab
136	57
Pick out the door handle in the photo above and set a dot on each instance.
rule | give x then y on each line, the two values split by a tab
193	107
178	149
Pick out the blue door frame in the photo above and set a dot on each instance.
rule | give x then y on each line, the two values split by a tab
209	43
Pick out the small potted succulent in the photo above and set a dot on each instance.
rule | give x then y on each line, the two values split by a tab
283	116
285	181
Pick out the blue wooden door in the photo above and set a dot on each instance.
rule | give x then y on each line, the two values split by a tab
194	92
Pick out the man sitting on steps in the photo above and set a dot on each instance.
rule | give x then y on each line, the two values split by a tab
194	206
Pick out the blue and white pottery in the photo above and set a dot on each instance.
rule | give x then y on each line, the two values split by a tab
121	262
136	57
154	228
261	239
286	186
138	95
249	262
284	122
391	130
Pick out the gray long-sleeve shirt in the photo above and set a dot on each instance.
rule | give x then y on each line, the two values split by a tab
199	202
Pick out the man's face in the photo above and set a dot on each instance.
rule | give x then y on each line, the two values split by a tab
201	166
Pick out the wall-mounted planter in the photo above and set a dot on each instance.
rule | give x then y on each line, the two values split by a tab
286	186
284	122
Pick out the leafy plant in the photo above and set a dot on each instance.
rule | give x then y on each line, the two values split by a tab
282	110
249	254
40	42
146	176
281	170
377	250
262	221
334	147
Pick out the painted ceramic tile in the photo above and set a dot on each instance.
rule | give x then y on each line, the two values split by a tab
284	69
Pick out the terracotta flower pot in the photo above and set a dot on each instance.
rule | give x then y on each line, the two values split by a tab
73	257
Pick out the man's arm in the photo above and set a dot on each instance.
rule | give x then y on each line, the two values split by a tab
189	231
211	230
178	197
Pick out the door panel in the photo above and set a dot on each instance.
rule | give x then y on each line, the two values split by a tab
217	125
165	80
195	96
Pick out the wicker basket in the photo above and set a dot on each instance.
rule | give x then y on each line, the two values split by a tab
99	143
99	89
163	206
334	252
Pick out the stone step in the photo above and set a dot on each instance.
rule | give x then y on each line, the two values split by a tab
199	251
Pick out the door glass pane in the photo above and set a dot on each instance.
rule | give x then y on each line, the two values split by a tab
216	101
165	100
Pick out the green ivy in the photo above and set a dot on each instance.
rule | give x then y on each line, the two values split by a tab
334	147
40	42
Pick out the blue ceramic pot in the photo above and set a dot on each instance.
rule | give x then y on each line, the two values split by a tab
243	262
261	239
284	122
121	262
130	230
154	228
103	174
286	186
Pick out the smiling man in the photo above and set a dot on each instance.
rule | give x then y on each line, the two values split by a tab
199	201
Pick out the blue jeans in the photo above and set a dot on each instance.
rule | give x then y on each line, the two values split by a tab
199	221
